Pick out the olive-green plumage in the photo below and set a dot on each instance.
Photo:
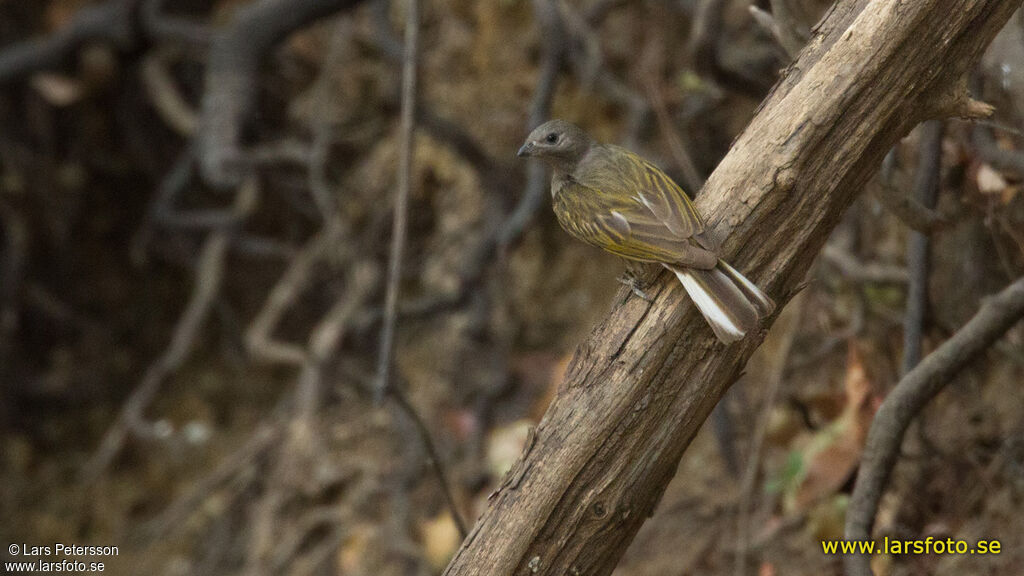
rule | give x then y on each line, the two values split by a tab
611	198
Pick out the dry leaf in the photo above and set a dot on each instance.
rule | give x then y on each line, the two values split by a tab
831	455
352	552
504	446
441	539
57	89
990	181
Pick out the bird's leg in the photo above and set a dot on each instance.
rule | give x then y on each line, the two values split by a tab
633	277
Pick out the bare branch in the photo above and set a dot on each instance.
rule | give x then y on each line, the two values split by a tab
112	22
989	151
260	440
705	34
232	74
553	46
926	191
997	315
323	345
908	210
784	25
259	338
209	275
165	96
435	457
693	179
852	268
401	208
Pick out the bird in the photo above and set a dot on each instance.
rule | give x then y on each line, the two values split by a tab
616	200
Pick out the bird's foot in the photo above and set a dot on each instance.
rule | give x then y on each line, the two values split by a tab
636	285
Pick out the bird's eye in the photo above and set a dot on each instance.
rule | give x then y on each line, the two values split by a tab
551	138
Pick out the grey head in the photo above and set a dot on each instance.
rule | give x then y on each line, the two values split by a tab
557	142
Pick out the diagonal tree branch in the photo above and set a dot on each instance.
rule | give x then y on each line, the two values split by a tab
640	387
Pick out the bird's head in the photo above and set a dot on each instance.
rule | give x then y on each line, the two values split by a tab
557	142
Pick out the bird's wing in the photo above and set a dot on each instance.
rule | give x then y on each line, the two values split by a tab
656	199
620	225
626	205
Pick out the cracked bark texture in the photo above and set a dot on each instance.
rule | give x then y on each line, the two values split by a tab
639	388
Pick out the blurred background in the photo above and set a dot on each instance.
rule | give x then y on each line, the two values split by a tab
186	370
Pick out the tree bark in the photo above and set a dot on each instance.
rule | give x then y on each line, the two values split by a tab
639	388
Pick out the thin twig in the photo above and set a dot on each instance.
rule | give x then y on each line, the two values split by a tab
398	230
173	184
435	457
908	210
163	92
301	447
451	133
401	400
209	276
111	22
387	41
324	194
926	191
510	227
227	469
784	26
694	180
259	338
326	338
494	173
753	467
987	149
262	247
914	391
853	269
705	34
302	562
553	52
584	53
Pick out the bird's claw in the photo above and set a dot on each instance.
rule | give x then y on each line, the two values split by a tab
635	285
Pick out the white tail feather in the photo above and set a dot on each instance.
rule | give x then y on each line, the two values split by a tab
722	323
765	306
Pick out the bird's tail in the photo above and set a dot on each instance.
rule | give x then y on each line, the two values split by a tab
730	303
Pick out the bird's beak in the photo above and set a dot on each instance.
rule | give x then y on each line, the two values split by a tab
526	150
